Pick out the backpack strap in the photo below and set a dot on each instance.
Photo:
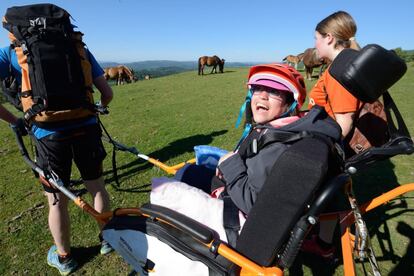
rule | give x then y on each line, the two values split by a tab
10	86
33	111
9	57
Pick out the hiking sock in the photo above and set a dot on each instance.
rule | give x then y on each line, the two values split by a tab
64	258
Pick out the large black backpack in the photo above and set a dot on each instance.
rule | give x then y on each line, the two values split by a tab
56	74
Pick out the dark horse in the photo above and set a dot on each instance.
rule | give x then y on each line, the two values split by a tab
311	60
120	73
210	61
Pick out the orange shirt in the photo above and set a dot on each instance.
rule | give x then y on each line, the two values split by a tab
340	100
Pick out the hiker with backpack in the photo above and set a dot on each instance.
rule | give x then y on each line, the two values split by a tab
52	74
333	34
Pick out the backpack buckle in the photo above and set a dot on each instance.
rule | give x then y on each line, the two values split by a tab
34	110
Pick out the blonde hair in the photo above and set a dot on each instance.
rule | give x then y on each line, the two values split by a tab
342	26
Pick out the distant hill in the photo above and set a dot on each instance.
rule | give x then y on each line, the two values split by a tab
158	68
151	64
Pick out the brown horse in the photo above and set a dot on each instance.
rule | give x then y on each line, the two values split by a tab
311	60
293	60
120	73
210	61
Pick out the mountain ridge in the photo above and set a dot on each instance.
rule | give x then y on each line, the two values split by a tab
154	64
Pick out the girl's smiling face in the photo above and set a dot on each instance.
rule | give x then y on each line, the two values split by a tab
267	103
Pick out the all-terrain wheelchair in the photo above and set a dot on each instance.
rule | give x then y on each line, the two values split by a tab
284	213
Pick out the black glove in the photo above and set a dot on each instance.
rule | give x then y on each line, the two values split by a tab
21	127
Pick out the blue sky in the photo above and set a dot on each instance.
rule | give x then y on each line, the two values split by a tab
237	30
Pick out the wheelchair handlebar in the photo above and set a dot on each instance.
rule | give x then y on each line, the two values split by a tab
398	145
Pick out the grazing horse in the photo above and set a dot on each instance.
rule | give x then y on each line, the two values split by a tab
119	73
291	59
210	61
311	60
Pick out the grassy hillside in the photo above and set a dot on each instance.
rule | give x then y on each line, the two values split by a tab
165	118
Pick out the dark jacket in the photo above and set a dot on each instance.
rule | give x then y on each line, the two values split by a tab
245	175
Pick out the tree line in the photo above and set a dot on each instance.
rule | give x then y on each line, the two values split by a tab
407	55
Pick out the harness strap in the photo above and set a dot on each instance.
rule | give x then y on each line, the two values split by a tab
285	137
270	137
289	137
231	220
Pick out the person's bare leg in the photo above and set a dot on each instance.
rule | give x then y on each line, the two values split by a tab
59	222
99	194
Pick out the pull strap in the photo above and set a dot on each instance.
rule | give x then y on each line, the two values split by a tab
114	167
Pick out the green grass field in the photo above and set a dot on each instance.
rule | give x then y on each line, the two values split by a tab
165	118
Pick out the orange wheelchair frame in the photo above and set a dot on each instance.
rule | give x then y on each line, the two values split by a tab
346	220
247	266
168	169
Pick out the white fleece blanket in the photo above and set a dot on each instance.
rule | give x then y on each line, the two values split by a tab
184	199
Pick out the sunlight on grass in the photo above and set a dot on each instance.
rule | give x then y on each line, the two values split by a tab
165	118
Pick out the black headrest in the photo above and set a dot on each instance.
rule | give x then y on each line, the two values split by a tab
367	73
